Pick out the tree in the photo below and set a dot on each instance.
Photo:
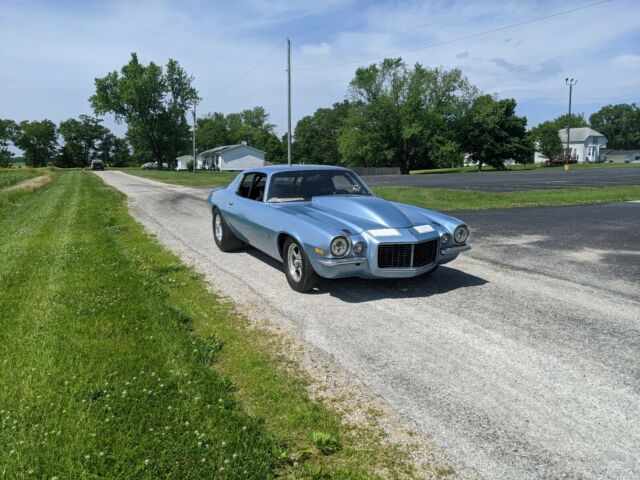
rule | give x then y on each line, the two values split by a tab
121	155
316	136
153	102
81	140
251	126
494	133
114	151
620	124
576	120
38	141
547	139
396	111
8	132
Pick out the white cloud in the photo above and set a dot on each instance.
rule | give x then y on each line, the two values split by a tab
61	50
316	49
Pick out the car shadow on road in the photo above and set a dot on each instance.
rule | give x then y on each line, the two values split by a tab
357	290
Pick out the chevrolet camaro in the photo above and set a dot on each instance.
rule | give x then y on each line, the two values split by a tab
324	221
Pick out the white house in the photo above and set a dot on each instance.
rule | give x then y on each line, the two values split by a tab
181	162
585	144
231	157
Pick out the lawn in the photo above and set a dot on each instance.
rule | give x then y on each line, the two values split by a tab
185	178
518	167
11	176
441	198
116	361
450	199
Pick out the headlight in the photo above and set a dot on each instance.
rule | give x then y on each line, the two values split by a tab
445	238
461	234
358	248
339	246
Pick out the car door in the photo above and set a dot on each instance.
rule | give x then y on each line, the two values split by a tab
250	217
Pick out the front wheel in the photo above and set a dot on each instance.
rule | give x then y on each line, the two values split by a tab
225	239
300	274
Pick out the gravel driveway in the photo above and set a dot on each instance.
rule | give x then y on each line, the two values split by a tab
515	372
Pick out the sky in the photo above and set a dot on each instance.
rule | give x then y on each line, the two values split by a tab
51	51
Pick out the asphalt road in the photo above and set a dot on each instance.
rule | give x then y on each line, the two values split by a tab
514	181
521	359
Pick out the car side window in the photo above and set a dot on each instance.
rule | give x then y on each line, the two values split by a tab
245	185
252	186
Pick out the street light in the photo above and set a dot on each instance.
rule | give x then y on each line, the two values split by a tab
571	82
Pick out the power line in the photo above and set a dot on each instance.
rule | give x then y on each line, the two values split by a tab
459	39
255	92
246	73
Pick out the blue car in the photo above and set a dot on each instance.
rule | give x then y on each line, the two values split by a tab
324	221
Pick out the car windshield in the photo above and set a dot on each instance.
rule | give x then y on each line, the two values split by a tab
302	185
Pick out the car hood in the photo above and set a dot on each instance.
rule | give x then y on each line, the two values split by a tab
356	213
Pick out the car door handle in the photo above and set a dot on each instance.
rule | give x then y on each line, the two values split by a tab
229	203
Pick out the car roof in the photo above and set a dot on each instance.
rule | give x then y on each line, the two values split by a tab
293	168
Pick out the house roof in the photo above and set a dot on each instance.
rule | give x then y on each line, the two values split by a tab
224	148
579	134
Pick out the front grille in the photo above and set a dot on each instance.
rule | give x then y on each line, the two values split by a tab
425	253
407	255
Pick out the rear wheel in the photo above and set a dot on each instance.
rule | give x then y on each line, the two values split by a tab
224	238
297	268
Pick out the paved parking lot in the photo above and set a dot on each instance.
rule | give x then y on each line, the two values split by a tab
538	179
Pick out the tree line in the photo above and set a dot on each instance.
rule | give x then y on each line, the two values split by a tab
72	143
394	115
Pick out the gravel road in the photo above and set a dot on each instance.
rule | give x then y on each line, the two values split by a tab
517	373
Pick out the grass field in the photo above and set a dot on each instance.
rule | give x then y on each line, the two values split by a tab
441	198
188	179
116	362
518	167
449	199
11	176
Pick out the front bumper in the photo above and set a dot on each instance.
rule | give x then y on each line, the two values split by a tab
366	266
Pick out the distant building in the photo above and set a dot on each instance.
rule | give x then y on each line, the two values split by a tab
620	156
181	162
585	145
231	157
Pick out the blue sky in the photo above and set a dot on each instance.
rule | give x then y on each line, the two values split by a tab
52	51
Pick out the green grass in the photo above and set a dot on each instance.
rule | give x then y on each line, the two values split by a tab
11	176
189	179
116	362
518	167
449	199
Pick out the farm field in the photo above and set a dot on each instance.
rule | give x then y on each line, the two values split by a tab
117	362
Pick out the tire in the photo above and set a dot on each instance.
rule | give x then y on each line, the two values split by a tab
297	267
224	238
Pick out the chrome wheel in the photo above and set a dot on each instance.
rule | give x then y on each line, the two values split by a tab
294	262
218	228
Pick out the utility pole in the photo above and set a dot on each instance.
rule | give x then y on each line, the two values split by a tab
571	82
289	100
194	137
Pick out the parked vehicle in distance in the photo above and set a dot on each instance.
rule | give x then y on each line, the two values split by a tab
97	165
324	221
153	166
